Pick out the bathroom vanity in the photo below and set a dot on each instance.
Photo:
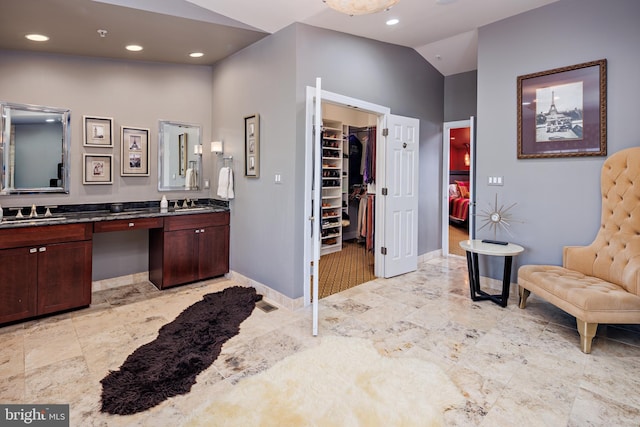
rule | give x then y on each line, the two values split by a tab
189	248
44	270
46	264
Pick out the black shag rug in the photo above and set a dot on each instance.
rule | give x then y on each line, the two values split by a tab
185	347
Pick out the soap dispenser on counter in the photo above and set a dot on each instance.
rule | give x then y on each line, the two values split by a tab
164	204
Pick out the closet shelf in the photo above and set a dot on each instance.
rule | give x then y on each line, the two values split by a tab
332	182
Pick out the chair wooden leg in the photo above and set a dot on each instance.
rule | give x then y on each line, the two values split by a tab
587	331
524	294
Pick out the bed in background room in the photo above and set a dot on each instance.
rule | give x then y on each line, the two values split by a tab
459	203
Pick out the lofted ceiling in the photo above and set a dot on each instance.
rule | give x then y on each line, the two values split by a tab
444	32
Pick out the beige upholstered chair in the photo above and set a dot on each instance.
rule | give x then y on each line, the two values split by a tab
599	283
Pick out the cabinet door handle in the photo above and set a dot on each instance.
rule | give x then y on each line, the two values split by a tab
131	224
42	249
33	250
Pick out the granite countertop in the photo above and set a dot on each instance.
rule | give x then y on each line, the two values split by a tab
73	214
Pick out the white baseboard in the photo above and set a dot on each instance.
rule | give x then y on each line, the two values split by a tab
267	292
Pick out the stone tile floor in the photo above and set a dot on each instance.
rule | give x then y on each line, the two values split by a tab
515	367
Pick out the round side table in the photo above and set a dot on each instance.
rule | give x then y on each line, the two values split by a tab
475	247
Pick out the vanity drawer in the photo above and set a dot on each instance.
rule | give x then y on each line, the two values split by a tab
127	224
185	222
43	235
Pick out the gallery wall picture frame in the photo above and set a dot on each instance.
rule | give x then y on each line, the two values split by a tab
97	168
563	112
252	146
134	151
97	131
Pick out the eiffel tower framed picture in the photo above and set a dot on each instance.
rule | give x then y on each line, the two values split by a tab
563	112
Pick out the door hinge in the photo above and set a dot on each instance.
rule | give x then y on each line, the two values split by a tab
385	191
385	132
383	250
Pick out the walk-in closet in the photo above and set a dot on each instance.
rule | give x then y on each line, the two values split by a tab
349	139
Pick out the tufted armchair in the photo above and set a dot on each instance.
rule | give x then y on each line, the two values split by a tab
599	283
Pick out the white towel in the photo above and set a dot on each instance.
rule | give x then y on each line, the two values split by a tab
225	183
191	179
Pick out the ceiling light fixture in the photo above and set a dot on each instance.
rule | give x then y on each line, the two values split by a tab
37	37
196	54
393	21
134	48
360	7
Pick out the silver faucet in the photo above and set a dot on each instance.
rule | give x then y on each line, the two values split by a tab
48	213
19	214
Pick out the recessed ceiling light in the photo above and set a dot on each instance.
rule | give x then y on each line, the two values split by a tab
196	54
134	48
393	21
37	37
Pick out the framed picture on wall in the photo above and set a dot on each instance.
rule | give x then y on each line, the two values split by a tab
252	146
563	112
134	151
97	131
97	168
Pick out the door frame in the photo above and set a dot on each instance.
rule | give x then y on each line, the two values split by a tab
345	101
446	170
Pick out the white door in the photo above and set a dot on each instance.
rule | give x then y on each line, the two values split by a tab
472	178
400	204
313	183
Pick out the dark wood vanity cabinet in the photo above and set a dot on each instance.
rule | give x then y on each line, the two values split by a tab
44	269
189	248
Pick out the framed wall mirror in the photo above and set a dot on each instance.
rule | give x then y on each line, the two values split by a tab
34	150
179	167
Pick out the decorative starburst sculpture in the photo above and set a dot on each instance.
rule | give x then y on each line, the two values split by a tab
497	217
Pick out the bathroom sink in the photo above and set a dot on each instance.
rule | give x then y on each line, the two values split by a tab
196	208
133	212
34	220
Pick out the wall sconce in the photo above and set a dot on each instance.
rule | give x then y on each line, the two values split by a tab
197	149
467	157
217	147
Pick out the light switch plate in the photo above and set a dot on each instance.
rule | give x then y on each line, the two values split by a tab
496	180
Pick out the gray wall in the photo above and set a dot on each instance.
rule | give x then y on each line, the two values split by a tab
133	93
270	78
460	96
558	199
261	79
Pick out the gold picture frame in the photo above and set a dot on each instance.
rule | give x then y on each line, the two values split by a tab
563	112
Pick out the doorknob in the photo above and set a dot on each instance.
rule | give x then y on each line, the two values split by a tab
404	145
